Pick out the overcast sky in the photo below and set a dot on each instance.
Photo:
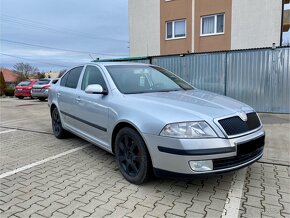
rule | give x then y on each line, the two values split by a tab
91	28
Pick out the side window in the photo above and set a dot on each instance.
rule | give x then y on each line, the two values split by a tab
93	75
64	78
73	77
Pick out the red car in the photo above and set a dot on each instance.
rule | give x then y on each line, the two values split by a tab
23	89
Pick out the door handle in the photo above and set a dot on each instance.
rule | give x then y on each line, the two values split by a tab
78	99
58	94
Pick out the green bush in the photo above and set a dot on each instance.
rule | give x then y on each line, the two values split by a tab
9	92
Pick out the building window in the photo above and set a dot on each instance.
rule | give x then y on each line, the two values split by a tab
176	29
212	25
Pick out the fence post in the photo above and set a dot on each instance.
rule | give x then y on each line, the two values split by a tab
226	72
150	59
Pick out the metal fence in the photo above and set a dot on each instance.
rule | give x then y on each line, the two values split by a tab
259	77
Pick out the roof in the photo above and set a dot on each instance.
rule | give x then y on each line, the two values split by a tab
121	59
108	63
9	76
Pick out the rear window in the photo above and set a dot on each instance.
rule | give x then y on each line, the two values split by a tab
24	83
43	82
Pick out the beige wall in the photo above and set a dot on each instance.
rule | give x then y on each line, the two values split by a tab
255	23
175	10
248	24
213	42
144	27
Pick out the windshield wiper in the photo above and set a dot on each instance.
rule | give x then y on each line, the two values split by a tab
172	90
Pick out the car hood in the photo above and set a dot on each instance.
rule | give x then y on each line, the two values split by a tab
178	106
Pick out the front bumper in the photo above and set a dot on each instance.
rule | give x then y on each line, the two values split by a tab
175	155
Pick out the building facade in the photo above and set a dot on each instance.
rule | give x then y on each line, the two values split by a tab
164	27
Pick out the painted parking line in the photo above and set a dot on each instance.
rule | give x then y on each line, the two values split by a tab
42	161
25	129
232	205
13	121
10	130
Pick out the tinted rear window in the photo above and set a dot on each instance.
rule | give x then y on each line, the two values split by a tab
24	83
43	82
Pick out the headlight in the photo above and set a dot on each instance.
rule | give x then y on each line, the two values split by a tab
188	130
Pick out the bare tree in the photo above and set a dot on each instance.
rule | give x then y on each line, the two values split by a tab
40	75
25	68
61	73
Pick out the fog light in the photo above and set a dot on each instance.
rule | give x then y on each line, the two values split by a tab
201	165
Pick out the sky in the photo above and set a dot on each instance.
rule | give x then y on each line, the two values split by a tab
58	34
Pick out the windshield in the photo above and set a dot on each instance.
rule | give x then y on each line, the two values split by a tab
132	79
43	82
24	83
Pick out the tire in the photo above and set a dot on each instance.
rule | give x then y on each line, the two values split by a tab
41	99
57	129
132	156
20	97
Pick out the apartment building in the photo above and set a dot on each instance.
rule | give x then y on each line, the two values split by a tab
163	27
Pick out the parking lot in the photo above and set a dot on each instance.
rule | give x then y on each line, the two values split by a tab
41	176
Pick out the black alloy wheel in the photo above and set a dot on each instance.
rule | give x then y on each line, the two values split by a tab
58	131
132	156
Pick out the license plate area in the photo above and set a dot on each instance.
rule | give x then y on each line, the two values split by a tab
250	146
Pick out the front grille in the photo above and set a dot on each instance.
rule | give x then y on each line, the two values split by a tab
235	125
245	152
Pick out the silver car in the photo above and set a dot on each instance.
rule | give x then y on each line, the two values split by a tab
40	88
155	122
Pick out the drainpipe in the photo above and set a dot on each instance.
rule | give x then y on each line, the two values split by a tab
282	16
226	73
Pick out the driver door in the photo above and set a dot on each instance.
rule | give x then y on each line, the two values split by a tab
93	108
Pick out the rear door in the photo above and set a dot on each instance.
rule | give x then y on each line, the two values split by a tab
67	96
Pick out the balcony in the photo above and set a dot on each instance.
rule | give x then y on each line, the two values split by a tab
286	20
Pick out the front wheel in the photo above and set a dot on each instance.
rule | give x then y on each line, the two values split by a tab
20	97
41	99
58	131
132	156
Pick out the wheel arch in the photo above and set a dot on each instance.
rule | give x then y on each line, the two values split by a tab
121	125
52	108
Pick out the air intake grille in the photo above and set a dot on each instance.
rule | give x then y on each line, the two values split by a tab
245	152
235	125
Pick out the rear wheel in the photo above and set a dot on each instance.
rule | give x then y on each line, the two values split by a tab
41	99
132	156
58	131
20	97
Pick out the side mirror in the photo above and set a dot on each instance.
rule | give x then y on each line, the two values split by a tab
96	89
